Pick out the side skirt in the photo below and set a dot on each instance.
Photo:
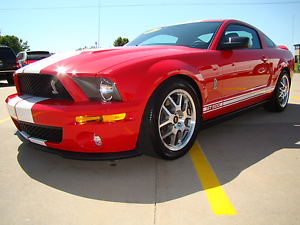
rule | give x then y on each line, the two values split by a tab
223	118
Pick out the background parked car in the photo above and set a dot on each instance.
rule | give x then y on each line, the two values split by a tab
28	57
8	64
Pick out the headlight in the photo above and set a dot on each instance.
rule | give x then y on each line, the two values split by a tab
106	89
96	88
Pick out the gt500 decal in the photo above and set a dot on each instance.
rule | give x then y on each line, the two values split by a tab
212	107
20	107
235	100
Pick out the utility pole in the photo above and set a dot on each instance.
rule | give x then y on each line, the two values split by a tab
99	25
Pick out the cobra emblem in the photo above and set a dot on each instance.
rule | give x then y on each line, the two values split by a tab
215	84
54	91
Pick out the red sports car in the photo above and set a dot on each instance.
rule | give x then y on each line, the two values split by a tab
151	96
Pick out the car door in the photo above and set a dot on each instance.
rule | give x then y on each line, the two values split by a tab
245	72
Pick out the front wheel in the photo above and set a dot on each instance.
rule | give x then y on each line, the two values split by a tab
280	97
171	120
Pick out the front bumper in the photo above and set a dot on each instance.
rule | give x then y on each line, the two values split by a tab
118	138
81	155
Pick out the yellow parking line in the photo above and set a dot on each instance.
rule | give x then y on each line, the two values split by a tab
294	97
4	120
218	200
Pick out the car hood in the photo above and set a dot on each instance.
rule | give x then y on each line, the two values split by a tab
86	62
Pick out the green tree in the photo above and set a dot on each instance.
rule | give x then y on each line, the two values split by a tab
85	47
120	41
16	44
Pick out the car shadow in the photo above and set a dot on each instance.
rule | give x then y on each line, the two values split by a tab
230	148
235	145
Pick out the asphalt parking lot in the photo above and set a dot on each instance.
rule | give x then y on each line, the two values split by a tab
243	171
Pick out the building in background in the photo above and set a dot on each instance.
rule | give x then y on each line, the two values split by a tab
297	53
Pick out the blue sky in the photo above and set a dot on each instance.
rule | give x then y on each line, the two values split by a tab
66	25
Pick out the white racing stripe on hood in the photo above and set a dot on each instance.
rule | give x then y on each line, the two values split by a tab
12	103
23	108
38	66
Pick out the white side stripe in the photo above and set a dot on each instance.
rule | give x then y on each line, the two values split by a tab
235	100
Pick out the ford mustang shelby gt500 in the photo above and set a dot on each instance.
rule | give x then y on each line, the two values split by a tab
151	96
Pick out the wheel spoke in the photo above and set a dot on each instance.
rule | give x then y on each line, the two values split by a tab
167	134
172	102
166	110
185	106
169	117
173	139
165	123
281	94
179	137
179	101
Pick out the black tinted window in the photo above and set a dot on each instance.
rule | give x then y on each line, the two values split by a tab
269	42
37	55
195	35
235	30
6	53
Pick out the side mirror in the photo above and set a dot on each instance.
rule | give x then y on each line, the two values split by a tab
236	43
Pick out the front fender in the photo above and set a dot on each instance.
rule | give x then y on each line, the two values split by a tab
165	69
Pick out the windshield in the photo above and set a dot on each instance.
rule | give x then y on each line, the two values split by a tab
194	35
37	55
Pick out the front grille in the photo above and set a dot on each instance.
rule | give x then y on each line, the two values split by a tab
53	134
42	85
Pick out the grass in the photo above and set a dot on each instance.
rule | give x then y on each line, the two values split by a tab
296	68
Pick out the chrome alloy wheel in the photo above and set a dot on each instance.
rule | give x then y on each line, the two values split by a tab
284	90
177	118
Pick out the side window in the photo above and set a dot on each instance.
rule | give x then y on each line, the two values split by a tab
235	30
206	37
269	42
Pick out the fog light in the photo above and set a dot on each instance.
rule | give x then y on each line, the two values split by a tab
97	140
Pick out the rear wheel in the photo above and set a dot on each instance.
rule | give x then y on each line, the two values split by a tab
171	120
280	97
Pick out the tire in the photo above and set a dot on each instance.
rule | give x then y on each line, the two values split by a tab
171	120
280	97
10	80
299	68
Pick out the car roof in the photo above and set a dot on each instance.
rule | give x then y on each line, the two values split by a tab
36	52
4	46
214	20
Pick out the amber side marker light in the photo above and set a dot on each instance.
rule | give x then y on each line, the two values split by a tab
98	119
